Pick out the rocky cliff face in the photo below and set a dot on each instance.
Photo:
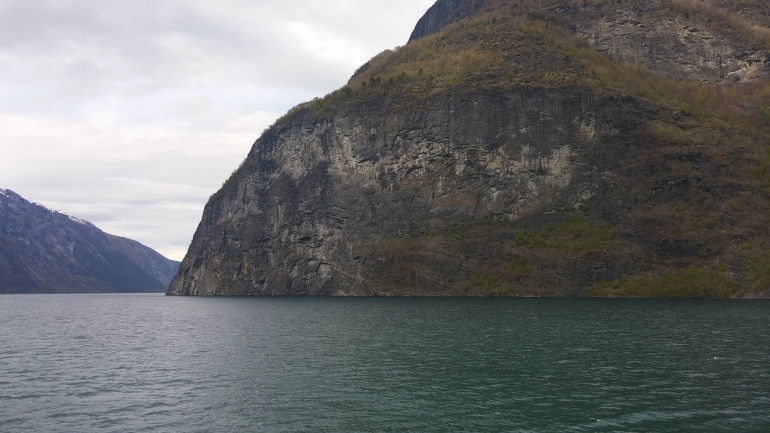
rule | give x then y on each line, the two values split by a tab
43	251
519	151
369	175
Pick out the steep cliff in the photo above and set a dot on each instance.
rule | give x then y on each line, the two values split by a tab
43	251
523	148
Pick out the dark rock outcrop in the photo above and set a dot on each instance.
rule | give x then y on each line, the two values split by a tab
444	12
43	251
512	148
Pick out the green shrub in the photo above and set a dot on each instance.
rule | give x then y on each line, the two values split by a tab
519	265
577	235
692	283
457	233
484	282
757	274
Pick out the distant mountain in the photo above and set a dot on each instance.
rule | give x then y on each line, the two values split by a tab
45	251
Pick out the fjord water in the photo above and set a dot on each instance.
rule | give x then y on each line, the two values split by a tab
149	363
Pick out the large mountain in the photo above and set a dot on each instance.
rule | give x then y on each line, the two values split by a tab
44	251
520	147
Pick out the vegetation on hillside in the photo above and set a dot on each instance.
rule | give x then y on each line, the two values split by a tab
526	43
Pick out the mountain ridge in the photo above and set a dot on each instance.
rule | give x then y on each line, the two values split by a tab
46	251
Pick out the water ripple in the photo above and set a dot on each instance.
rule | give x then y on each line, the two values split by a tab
130	363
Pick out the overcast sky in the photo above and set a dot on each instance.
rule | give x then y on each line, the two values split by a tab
131	113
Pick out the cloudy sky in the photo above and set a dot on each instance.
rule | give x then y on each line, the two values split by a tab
131	113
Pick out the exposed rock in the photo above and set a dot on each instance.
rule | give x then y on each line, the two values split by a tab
323	191
44	251
696	46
